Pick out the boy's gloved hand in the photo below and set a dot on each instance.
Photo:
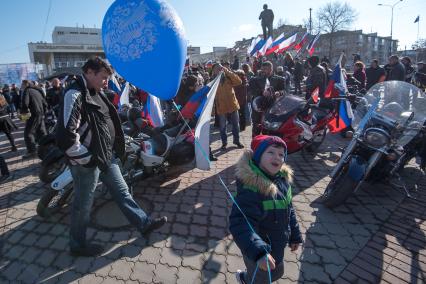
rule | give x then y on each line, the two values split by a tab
263	265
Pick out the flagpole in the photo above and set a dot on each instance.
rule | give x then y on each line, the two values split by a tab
418	29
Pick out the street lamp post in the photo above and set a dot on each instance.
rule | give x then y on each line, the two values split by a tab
391	6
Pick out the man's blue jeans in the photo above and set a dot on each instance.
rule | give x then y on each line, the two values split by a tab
85	182
233	116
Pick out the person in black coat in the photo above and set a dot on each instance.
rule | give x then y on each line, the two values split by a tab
396	69
375	74
4	170
317	78
409	69
6	124
298	76
33	102
267	20
16	97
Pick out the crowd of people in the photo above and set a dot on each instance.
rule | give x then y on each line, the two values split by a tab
92	138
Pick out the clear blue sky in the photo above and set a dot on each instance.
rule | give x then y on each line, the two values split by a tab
208	23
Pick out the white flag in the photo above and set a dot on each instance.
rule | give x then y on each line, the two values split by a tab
124	98
202	129
155	111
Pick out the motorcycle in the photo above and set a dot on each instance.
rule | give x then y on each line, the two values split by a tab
145	156
389	122
301	124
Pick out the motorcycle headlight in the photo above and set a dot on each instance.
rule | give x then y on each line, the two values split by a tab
271	125
376	137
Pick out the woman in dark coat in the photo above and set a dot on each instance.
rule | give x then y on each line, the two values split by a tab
6	124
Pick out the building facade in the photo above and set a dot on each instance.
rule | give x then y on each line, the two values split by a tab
368	46
70	48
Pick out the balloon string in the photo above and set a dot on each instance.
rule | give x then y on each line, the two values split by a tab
197	144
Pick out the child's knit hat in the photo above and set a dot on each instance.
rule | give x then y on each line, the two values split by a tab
261	142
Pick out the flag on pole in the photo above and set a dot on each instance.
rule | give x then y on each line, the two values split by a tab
154	112
256	45
114	85
337	87
124	98
276	44
194	102
287	43
417	19
311	46
202	129
300	44
268	43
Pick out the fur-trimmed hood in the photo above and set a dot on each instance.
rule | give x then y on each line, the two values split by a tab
250	175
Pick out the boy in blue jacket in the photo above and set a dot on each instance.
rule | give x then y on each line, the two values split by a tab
264	195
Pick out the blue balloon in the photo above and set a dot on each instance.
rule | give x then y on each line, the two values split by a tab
144	40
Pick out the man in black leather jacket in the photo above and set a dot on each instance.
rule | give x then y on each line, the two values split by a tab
317	78
257	87
89	132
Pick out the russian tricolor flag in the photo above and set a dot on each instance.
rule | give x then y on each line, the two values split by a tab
256	45
287	43
152	111
337	87
268	44
276	44
194	102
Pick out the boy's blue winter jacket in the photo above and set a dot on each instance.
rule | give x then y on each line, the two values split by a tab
267	204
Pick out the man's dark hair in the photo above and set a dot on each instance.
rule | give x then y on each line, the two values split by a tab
265	6
376	61
267	63
394	56
97	64
313	60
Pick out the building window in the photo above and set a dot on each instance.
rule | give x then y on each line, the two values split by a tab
74	33
84	33
60	33
94	33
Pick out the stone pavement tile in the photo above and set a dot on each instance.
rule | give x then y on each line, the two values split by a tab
113	281
48	276
292	271
171	257
131	252
219	247
30	273
233	249
196	246
83	265
101	266
16	237
176	242
234	263
14	252
12	270
90	279
157	240
198	230
187	275
217	233
121	269
150	255
313	272
46	258
192	261
323	241
44	242
180	229
30	239
334	270
143	272
309	255
362	273
63	261
331	256
30	255
165	274
212	277
215	262
60	243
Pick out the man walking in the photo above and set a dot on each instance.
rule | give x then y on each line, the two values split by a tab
90	134
267	20
33	102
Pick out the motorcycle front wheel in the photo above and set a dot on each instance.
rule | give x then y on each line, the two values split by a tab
52	201
339	189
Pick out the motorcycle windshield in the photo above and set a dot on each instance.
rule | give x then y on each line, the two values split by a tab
401	103
286	104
